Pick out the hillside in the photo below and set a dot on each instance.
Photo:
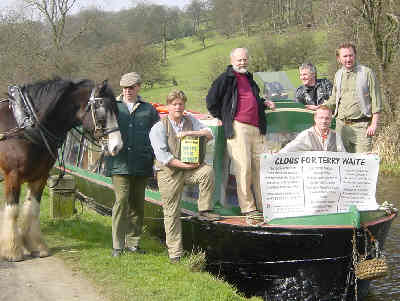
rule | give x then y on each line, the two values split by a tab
190	66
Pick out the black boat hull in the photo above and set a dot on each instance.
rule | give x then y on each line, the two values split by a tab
301	263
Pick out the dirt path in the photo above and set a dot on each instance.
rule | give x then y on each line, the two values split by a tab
43	279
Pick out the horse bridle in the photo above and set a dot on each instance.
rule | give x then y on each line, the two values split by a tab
98	113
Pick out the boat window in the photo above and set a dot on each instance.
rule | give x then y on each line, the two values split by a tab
229	196
93	158
80	152
72	148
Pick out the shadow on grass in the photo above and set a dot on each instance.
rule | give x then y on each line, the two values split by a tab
77	233
197	50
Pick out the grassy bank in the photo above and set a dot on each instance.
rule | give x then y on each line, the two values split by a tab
189	64
84	243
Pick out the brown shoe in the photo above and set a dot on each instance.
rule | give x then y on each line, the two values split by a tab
208	215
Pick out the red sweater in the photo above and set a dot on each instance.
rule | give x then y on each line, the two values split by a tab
247	107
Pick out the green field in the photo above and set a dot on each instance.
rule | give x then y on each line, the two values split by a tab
190	67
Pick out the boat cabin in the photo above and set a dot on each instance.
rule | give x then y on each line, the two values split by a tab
283	124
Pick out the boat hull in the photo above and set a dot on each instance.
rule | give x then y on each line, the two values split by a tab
260	259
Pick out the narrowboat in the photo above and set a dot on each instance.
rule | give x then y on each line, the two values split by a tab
293	258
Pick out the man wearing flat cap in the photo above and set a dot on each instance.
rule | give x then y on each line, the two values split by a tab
133	165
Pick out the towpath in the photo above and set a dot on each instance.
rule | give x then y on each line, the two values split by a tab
44	279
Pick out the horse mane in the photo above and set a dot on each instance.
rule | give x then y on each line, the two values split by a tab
46	94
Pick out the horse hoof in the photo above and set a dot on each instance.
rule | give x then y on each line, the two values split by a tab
35	254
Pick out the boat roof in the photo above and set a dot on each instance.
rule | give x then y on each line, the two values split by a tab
277	76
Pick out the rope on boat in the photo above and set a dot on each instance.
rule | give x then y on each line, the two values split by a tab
254	221
105	211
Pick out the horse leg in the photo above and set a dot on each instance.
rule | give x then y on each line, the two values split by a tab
30	222
11	244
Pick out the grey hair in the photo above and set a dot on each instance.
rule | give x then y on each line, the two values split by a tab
236	49
310	67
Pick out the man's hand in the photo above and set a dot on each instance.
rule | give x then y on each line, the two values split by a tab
190	165
181	165
311	107
371	130
270	104
186	133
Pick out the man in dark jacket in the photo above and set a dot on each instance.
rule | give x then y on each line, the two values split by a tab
234	99
132	166
313	92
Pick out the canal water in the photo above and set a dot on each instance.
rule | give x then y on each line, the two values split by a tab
388	288
384	289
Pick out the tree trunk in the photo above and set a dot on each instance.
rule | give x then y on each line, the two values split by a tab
164	43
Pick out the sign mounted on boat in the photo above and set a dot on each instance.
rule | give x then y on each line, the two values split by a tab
309	183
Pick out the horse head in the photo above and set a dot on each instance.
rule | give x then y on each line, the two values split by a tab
100	118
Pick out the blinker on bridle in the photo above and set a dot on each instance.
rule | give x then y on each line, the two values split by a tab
98	112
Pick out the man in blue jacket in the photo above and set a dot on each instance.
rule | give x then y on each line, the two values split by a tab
133	165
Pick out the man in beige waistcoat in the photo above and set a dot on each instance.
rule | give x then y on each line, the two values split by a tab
172	173
317	138
356	101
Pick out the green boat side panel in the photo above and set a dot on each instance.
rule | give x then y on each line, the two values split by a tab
356	216
288	120
89	174
353	217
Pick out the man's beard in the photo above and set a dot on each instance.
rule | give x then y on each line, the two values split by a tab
239	69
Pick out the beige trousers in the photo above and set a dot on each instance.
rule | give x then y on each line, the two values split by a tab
354	136
244	150
171	189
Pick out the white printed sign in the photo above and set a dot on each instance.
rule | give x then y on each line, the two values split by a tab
308	183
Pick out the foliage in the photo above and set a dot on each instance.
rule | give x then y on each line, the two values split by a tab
148	38
374	27
217	65
197	261
119	58
278	52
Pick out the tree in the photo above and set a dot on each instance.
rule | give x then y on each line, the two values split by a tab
55	12
374	27
197	9
130	55
202	35
384	28
23	57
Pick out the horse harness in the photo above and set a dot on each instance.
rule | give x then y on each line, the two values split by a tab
97	110
29	124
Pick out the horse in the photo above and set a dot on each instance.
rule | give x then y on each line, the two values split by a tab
28	153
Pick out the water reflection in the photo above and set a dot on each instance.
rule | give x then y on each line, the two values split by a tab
388	288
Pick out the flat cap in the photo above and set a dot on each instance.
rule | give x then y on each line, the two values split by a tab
130	79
